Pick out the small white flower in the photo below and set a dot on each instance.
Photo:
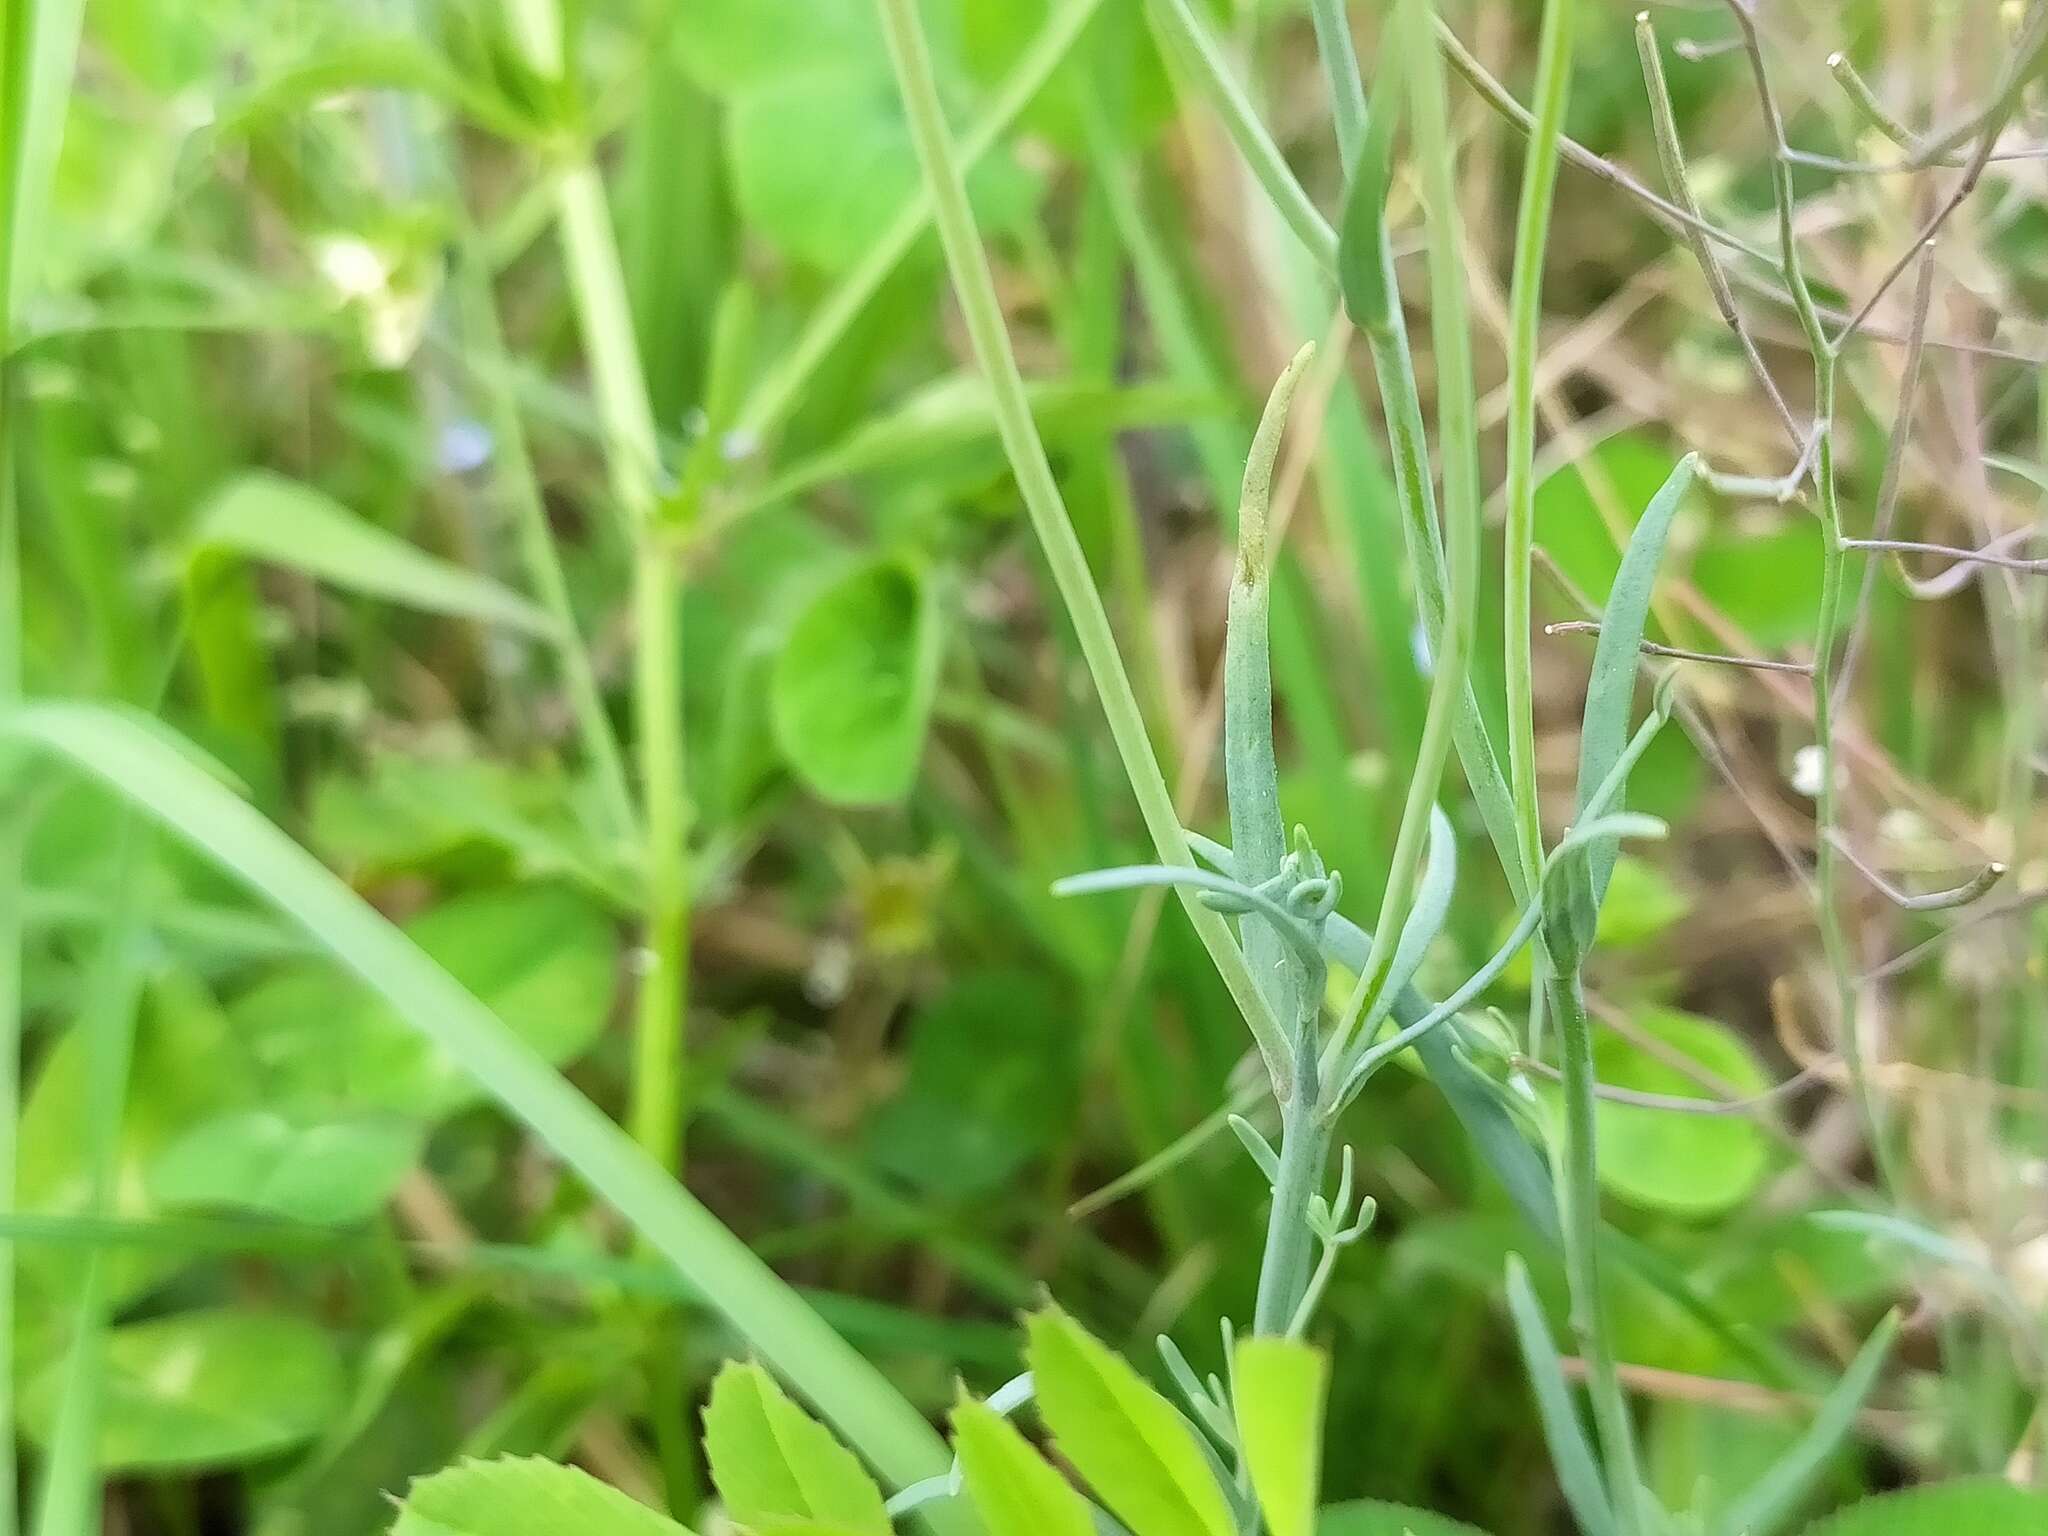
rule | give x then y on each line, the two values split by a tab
1807	765
356	268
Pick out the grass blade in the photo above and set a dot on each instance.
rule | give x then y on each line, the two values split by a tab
1777	1494
786	1332
1578	1475
267	517
975	286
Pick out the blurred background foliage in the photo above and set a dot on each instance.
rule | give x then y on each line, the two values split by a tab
300	356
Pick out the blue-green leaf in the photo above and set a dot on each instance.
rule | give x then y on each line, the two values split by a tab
1611	688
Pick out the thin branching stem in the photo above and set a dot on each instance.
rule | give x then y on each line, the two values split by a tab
1988	555
1671	155
1834	939
1931	901
2033	36
1681	653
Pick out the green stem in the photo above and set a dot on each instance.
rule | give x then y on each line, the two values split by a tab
1258	849
1290	1244
1579	1197
975	288
1827	803
597	284
1532	235
1459	444
520	488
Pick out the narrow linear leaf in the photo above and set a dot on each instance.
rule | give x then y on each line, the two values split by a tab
1425	918
1611	688
1280	1387
773	1463
1578	1474
1500	1141
1363	258
1136	1452
1778	1493
1015	1490
523	1496
282	522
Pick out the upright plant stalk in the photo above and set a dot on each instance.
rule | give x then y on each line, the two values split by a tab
1579	1198
1259	846
1458	444
632	453
1827	814
1525	305
1579	1186
1385	326
974	287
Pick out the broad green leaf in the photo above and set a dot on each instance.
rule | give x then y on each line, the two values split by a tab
1134	1449
267	517
1124	92
1611	689
1977	1506
818	147
1015	1491
1769	1273
1279	1387
404	812
1766	583
188	1066
523	1496
733	44
991	1085
541	956
331	1171
775	1465
1371	1517
203	1389
732	1280
852	690
1688	1164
